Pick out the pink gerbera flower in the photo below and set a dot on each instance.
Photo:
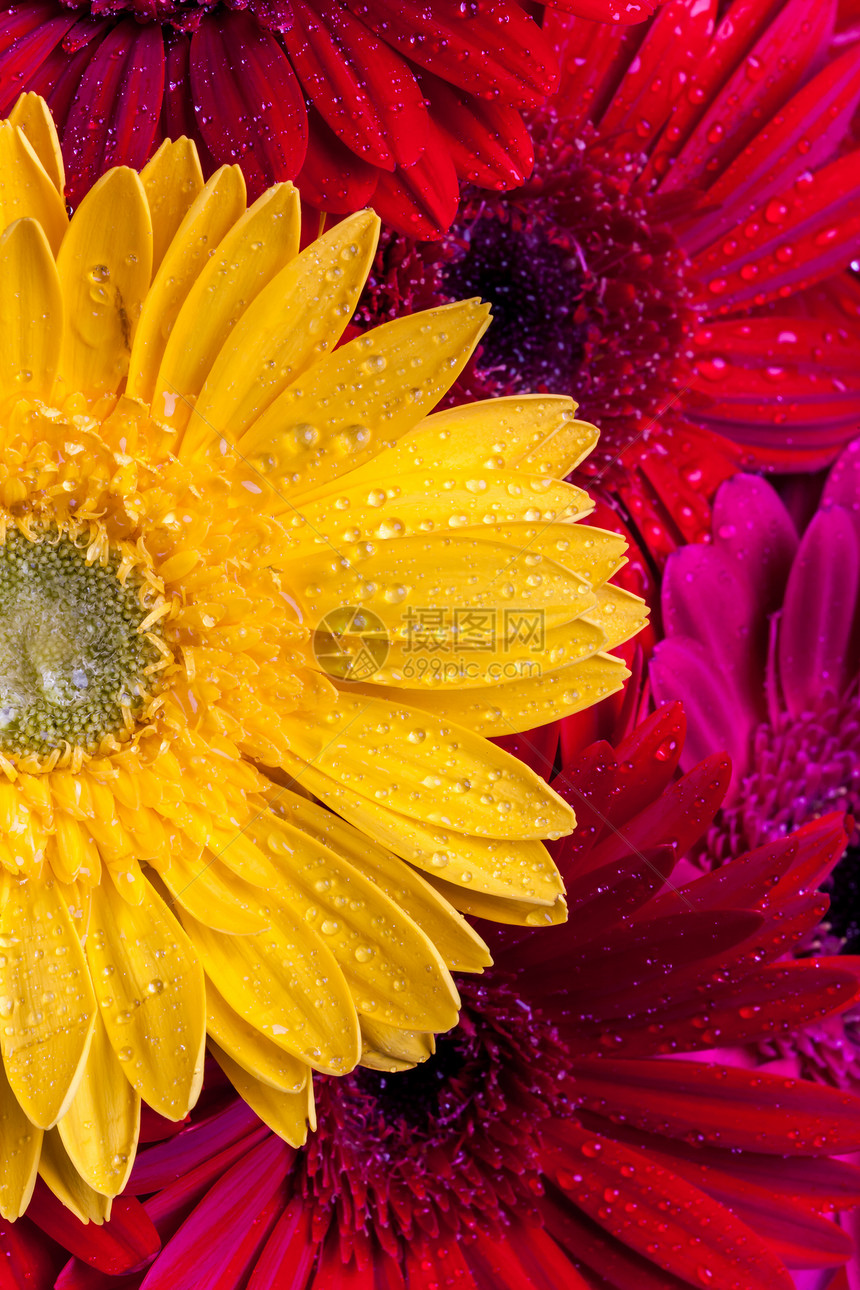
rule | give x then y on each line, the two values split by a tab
359	100
679	255
588	1125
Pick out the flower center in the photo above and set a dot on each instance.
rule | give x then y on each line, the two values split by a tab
529	272
450	1145
73	655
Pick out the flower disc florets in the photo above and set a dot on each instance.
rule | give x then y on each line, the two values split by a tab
76	659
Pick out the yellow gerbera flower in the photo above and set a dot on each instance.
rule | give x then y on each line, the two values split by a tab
235	799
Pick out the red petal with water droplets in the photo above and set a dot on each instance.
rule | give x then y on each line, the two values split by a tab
664	62
421	200
26	1258
648	758
592	58
178	116
779	384
772	1001
127	1242
123	85
493	51
219	1244
28	34
592	976
537	748
526	1258
659	1214
810	231
333	178
615	11
249	105
363	90
722	1105
488	142
804	134
59	76
757	88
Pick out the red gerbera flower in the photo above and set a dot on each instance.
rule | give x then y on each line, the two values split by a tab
678	257
360	99
556	1141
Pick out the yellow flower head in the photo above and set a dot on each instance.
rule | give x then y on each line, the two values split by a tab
258	612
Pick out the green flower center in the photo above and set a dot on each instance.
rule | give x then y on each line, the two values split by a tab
73	659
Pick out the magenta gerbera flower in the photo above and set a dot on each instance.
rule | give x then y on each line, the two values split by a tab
679	255
578	1129
360	100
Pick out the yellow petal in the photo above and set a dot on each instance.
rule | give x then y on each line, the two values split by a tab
518	870
104	264
594	553
428	769
286	1114
336	520
394	971
536	433
151	994
206	889
368	393
250	1049
389	1049
20	1145
459	944
209	219
28	191
250	254
46	1000
32	116
619	614
172	180
287	984
296	319
518	913
460	570
31	312
514	706
100	1128
68	1186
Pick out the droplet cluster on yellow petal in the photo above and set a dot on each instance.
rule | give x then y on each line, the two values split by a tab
212	820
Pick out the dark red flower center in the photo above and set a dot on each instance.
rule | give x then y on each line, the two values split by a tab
449	1146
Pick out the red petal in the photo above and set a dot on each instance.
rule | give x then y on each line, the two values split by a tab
158	1166
364	91
421	200
58	78
178	116
333	178
649	757
249	106
758	87
492	50
289	1253
722	1105
526	1258
803	135
113	119
26	1258
790	242
219	1244
488	141
658	1214
615	11
537	748
28	34
127	1242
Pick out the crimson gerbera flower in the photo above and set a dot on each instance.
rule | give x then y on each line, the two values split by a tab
557	1140
360	100
679	255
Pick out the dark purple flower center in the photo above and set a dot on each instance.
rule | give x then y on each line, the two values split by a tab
528	270
449	1146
